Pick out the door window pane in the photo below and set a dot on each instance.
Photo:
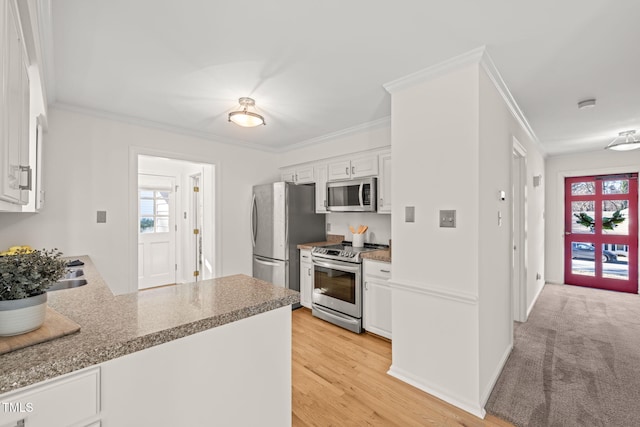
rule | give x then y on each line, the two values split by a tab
587	188
154	211
583	216
620	186
614	266
615	217
583	258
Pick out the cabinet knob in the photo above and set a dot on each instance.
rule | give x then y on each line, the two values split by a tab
353	170
346	170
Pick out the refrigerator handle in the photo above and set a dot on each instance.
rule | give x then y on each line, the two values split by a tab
253	220
360	194
266	262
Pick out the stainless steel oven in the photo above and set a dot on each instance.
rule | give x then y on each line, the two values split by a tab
337	293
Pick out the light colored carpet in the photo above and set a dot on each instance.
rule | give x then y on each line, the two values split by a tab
575	362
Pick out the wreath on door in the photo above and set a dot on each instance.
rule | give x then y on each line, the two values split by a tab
608	223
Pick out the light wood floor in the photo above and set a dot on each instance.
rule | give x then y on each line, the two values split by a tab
339	379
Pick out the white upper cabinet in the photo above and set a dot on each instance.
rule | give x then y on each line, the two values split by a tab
15	171
384	183
320	177
302	175
354	168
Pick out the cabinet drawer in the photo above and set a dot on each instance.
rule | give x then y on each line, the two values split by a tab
62	402
377	269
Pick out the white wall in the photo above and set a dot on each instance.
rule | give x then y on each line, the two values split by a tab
452	305
435	270
558	168
351	142
497	129
86	164
379	225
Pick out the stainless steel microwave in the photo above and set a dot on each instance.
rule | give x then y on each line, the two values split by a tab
353	195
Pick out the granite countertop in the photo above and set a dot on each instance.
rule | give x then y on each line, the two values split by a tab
383	255
114	326
332	239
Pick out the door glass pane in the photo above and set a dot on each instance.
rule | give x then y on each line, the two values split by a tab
583	216
147	194
146	225
162	225
583	258
583	188
146	207
620	186
162	207
614	217
614	266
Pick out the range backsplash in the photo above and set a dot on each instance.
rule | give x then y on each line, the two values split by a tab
379	225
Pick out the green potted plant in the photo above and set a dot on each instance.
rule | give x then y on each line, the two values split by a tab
25	275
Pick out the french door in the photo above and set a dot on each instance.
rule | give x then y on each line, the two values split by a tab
601	232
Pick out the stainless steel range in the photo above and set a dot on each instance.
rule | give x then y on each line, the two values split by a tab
337	283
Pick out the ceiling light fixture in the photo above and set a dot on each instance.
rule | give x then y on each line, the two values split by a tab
630	142
587	103
244	117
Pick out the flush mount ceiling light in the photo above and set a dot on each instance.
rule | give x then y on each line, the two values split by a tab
587	103
244	117
629	143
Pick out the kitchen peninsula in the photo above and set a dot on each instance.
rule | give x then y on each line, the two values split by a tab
213	352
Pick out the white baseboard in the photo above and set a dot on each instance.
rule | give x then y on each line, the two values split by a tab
470	407
535	298
489	388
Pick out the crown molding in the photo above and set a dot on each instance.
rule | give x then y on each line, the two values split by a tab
479	56
445	67
159	126
492	71
368	126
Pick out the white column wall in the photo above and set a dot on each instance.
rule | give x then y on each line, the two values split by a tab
435	270
497	129
86	164
558	168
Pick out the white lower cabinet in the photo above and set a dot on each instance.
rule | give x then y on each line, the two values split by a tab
71	400
377	298
306	278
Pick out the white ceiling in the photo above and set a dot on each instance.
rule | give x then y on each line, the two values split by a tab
317	67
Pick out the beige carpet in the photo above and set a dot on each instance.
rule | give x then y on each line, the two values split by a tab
575	362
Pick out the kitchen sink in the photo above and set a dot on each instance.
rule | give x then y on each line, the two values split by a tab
67	284
72	274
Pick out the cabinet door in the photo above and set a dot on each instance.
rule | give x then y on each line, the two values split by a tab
289	176
11	138
364	166
320	176
339	170
384	183
304	175
306	279
377	307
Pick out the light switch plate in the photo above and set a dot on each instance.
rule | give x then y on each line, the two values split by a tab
448	218
102	217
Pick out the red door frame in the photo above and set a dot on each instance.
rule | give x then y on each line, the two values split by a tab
598	238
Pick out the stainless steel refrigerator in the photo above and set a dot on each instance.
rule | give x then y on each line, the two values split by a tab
283	216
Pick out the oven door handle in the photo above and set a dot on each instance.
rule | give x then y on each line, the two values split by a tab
341	267
338	317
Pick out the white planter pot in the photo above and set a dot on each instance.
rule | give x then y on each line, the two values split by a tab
22	315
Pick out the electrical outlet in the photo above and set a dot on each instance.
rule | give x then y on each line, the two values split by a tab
328	226
101	217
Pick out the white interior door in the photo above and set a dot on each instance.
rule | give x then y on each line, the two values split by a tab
157	232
